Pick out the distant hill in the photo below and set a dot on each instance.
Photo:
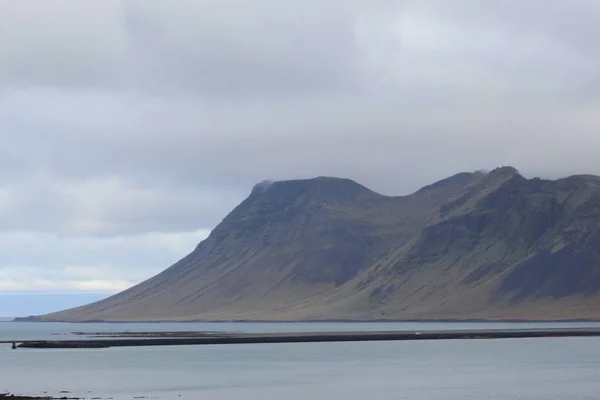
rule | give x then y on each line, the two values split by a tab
481	245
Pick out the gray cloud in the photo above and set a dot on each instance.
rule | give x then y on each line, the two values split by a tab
238	48
123	118
32	261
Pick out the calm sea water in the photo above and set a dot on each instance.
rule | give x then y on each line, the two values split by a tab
544	369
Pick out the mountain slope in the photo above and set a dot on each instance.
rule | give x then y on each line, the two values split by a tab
475	245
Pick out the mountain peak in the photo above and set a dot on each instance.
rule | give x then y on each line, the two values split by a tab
455	180
275	204
504	171
322	186
263	186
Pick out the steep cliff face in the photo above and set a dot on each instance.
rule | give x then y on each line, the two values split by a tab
475	245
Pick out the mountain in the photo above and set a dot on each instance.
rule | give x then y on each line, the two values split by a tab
473	246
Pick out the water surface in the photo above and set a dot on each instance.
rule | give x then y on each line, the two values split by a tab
512	369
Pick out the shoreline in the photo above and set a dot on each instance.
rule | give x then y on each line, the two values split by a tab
98	340
12	396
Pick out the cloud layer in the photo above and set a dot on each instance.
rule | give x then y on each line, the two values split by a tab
128	129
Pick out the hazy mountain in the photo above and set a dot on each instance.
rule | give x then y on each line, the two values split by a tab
475	245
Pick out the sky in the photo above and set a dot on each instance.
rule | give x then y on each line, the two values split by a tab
130	128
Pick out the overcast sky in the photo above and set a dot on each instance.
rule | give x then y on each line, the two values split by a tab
129	129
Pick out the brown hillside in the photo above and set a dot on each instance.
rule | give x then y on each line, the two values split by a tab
475	245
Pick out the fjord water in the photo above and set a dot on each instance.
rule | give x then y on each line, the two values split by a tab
549	369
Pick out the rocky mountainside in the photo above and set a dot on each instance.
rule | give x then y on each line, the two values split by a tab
475	245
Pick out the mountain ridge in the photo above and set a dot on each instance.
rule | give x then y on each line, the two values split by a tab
476	245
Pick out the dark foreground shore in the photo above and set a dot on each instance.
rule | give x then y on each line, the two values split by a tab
105	340
8	396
